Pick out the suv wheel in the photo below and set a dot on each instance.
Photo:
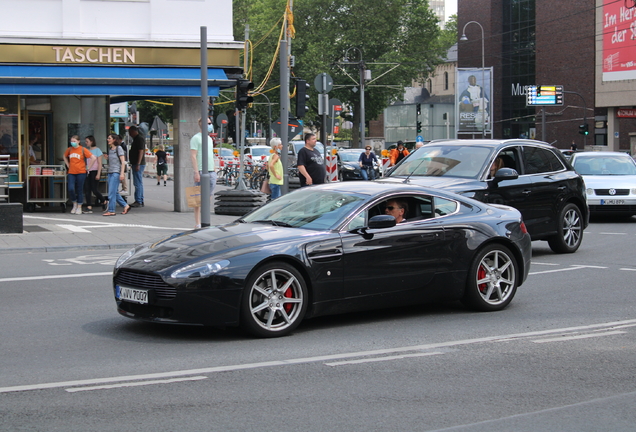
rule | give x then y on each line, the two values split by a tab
570	230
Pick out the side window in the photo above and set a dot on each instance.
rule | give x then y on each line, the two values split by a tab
537	160
444	206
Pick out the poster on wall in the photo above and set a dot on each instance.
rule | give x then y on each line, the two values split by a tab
474	112
619	32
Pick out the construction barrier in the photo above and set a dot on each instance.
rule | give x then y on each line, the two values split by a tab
386	163
331	166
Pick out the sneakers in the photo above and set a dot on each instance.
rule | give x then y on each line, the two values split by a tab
137	204
164	183
158	184
88	210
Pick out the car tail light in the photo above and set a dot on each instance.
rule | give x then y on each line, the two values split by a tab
524	230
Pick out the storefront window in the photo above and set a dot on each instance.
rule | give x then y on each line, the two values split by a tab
9	126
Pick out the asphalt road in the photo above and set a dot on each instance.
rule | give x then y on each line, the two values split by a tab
560	358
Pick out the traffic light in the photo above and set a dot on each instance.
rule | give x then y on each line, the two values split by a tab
583	129
301	98
418	109
243	99
419	127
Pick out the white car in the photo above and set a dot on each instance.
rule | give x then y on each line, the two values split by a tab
610	181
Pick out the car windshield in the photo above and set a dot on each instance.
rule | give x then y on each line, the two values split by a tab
445	161
605	165
227	152
307	208
349	156
260	151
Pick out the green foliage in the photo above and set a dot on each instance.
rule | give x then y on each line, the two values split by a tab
148	110
403	32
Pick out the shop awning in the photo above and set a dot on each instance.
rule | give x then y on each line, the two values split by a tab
109	81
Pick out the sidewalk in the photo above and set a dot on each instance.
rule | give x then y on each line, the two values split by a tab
46	230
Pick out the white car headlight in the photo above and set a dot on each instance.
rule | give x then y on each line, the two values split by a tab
125	257
348	168
589	191
633	191
199	269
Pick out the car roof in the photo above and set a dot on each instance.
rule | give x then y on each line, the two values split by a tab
494	143
603	153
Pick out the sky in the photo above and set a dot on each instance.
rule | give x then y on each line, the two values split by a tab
451	7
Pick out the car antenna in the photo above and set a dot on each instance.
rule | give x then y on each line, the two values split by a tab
406	180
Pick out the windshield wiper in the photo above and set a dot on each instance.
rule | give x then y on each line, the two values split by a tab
274	222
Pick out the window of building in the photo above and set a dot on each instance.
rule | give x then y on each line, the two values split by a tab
445	80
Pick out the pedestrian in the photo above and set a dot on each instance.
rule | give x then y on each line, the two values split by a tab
366	160
137	155
196	145
122	144
311	165
94	175
573	147
116	164
398	153
419	144
275	168
161	165
75	159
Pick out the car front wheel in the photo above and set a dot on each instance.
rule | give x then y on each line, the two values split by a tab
492	280
569	230
275	300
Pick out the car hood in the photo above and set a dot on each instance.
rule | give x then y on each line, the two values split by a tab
451	184
610	181
223	241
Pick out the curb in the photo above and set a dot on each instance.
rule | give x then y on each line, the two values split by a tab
68	248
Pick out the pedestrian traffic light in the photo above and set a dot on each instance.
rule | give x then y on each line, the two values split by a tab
419	127
583	129
301	98
243	99
418	109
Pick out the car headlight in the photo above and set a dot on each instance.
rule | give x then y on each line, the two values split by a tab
589	191
634	191
348	168
199	269
125	257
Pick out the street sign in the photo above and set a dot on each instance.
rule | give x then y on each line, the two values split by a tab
335	107
545	95
323	83
419	138
293	128
221	120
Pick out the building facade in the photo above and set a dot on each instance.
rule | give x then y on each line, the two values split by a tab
63	62
538	42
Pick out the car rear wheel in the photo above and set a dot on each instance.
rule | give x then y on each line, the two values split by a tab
275	300
492	280
570	230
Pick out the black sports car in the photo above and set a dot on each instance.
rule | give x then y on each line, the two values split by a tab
324	250
531	176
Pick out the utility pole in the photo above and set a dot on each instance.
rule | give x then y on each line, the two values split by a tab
240	132
205	174
285	52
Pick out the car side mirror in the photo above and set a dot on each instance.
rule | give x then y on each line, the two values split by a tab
382	221
504	174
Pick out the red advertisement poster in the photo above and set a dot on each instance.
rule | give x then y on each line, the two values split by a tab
619	41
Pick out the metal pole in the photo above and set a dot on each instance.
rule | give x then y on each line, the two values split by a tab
543	124
362	120
205	175
284	114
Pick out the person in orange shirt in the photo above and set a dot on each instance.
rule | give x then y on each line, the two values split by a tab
398	153
75	159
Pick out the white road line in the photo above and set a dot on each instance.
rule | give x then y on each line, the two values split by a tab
379	359
547	264
135	384
304	360
73	228
628	269
582	336
26	278
577	267
96	224
611	233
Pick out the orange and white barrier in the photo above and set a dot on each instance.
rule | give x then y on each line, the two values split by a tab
386	163
331	166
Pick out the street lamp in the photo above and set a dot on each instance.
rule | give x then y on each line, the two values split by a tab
363	74
483	79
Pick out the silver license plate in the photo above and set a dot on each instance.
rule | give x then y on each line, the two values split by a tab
612	202
131	294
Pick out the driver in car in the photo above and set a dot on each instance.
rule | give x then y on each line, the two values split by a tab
396	208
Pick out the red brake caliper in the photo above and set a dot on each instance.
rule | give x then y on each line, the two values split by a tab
481	273
288	306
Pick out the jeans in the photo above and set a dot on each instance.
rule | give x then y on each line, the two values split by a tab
138	182
275	190
91	185
76	187
113	193
366	172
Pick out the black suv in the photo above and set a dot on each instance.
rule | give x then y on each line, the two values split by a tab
532	176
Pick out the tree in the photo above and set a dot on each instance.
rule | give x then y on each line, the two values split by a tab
149	109
399	32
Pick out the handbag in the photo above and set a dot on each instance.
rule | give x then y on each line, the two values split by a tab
265	187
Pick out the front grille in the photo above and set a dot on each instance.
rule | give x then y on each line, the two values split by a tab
619	192
150	281
613	209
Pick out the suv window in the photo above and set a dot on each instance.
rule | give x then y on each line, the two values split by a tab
538	160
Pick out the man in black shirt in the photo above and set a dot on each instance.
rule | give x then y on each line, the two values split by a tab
138	164
311	165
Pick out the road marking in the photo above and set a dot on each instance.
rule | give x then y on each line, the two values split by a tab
628	269
379	359
576	267
540	263
26	278
611	233
135	384
96	224
305	360
582	336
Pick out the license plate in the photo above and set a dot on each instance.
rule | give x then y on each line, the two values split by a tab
131	294
612	202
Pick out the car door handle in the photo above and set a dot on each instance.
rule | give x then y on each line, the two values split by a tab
562	188
431	236
527	192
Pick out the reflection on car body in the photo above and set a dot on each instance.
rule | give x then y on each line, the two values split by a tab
328	249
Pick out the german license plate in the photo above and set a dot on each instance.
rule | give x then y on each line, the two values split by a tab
131	294
612	202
